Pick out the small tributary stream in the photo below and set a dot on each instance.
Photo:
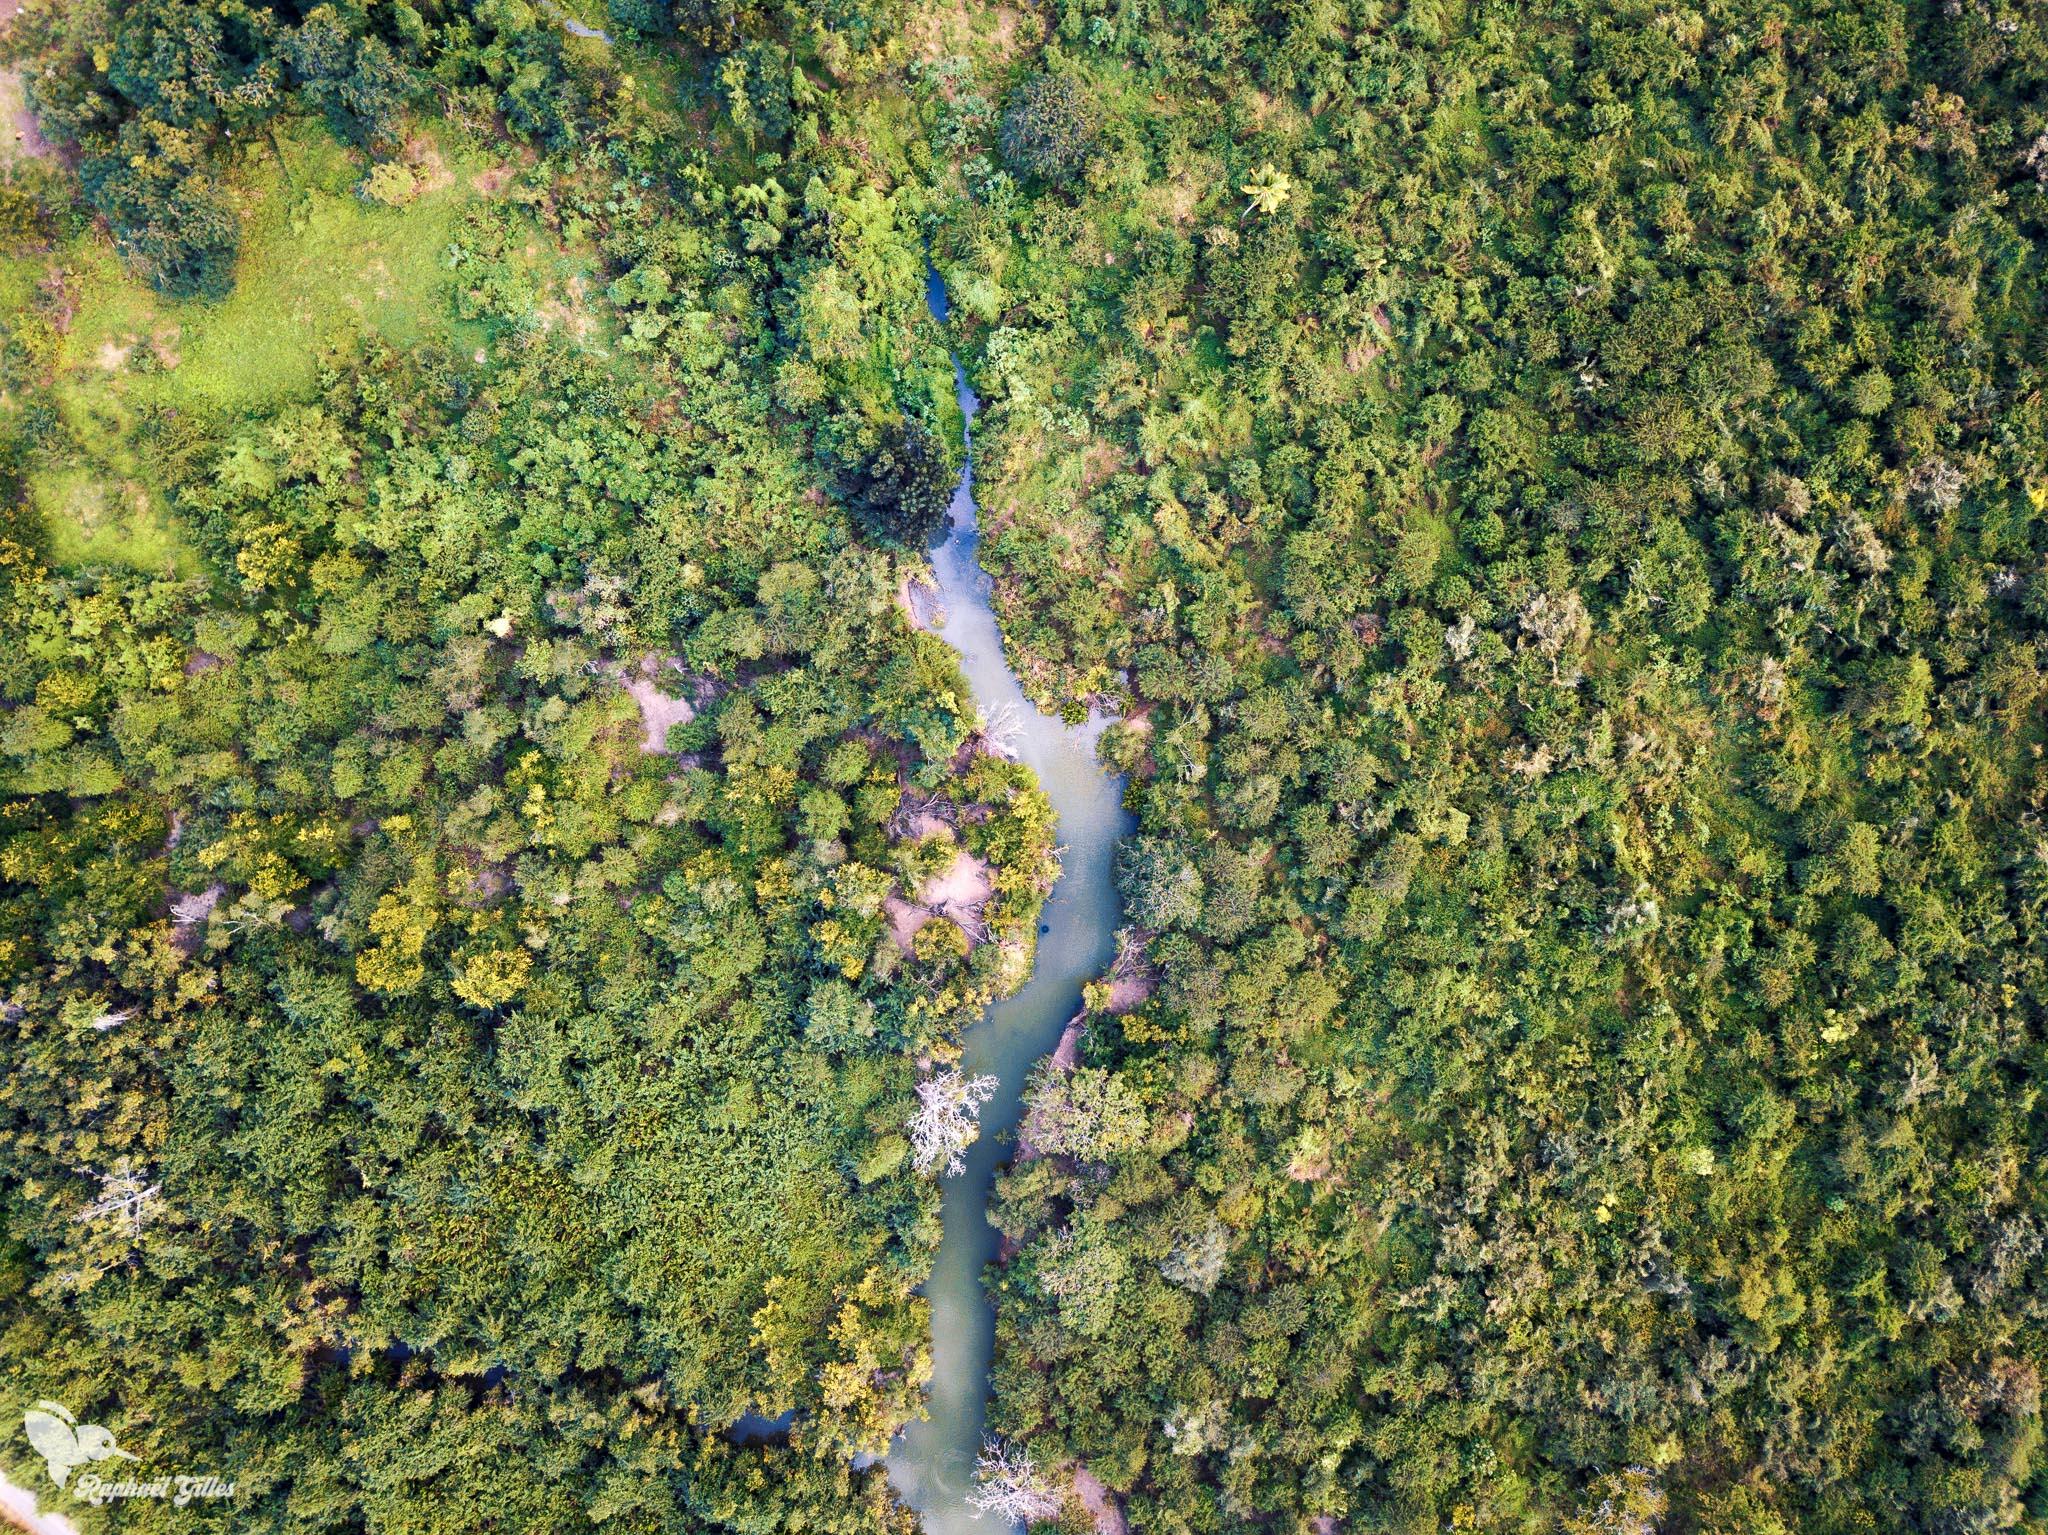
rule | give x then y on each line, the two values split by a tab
932	1463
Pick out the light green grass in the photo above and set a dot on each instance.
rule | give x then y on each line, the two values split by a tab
320	267
94	522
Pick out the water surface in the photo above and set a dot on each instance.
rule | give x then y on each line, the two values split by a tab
931	1463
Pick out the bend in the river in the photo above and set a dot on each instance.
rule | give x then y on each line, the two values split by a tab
931	1464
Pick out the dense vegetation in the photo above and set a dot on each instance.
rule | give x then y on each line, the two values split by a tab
458	1054
1558	493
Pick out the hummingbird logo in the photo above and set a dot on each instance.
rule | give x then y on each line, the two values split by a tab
65	1443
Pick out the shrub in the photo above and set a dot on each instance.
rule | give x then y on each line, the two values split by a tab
1049	130
899	491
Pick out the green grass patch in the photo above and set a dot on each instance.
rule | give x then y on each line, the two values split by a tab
321	267
93	520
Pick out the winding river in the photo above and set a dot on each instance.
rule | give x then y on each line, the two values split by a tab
931	1464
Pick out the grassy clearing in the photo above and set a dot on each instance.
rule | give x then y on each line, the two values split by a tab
94	521
320	268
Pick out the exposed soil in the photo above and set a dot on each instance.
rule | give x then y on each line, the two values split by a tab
920	603
1100	1502
1066	1055
658	712
998	33
904	918
958	894
427	166
1126	992
963	886
24	138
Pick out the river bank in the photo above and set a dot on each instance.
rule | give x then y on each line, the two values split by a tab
931	1464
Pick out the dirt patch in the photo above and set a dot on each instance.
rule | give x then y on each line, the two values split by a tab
1274	112
23	138
1066	1055
1372	341
1127	992
915	825
189	913
1100	1502
1099	461
165	345
658	713
904	920
113	355
492	183
190	908
1174	202
919	600
958	895
430	171
202	662
570	314
997	34
964	886
668	694
63	302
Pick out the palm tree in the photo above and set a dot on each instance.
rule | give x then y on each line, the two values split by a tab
1268	190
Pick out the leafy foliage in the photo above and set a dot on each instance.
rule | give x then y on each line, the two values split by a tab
1049	128
464	908
1557	495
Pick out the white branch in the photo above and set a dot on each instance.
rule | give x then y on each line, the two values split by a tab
948	1120
123	1192
1010	1487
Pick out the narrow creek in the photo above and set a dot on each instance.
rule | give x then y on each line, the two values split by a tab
931	1464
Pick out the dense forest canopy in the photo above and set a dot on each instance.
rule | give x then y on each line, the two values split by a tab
448	916
1557	491
1556	494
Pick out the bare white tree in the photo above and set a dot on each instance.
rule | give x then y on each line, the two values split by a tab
1002	730
1460	638
1557	625
124	1193
947	1120
1010	1487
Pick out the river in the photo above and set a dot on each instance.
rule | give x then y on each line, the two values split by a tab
931	1464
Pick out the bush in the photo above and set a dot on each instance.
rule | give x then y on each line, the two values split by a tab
1870	392
171	219
642	16
1049	130
899	492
